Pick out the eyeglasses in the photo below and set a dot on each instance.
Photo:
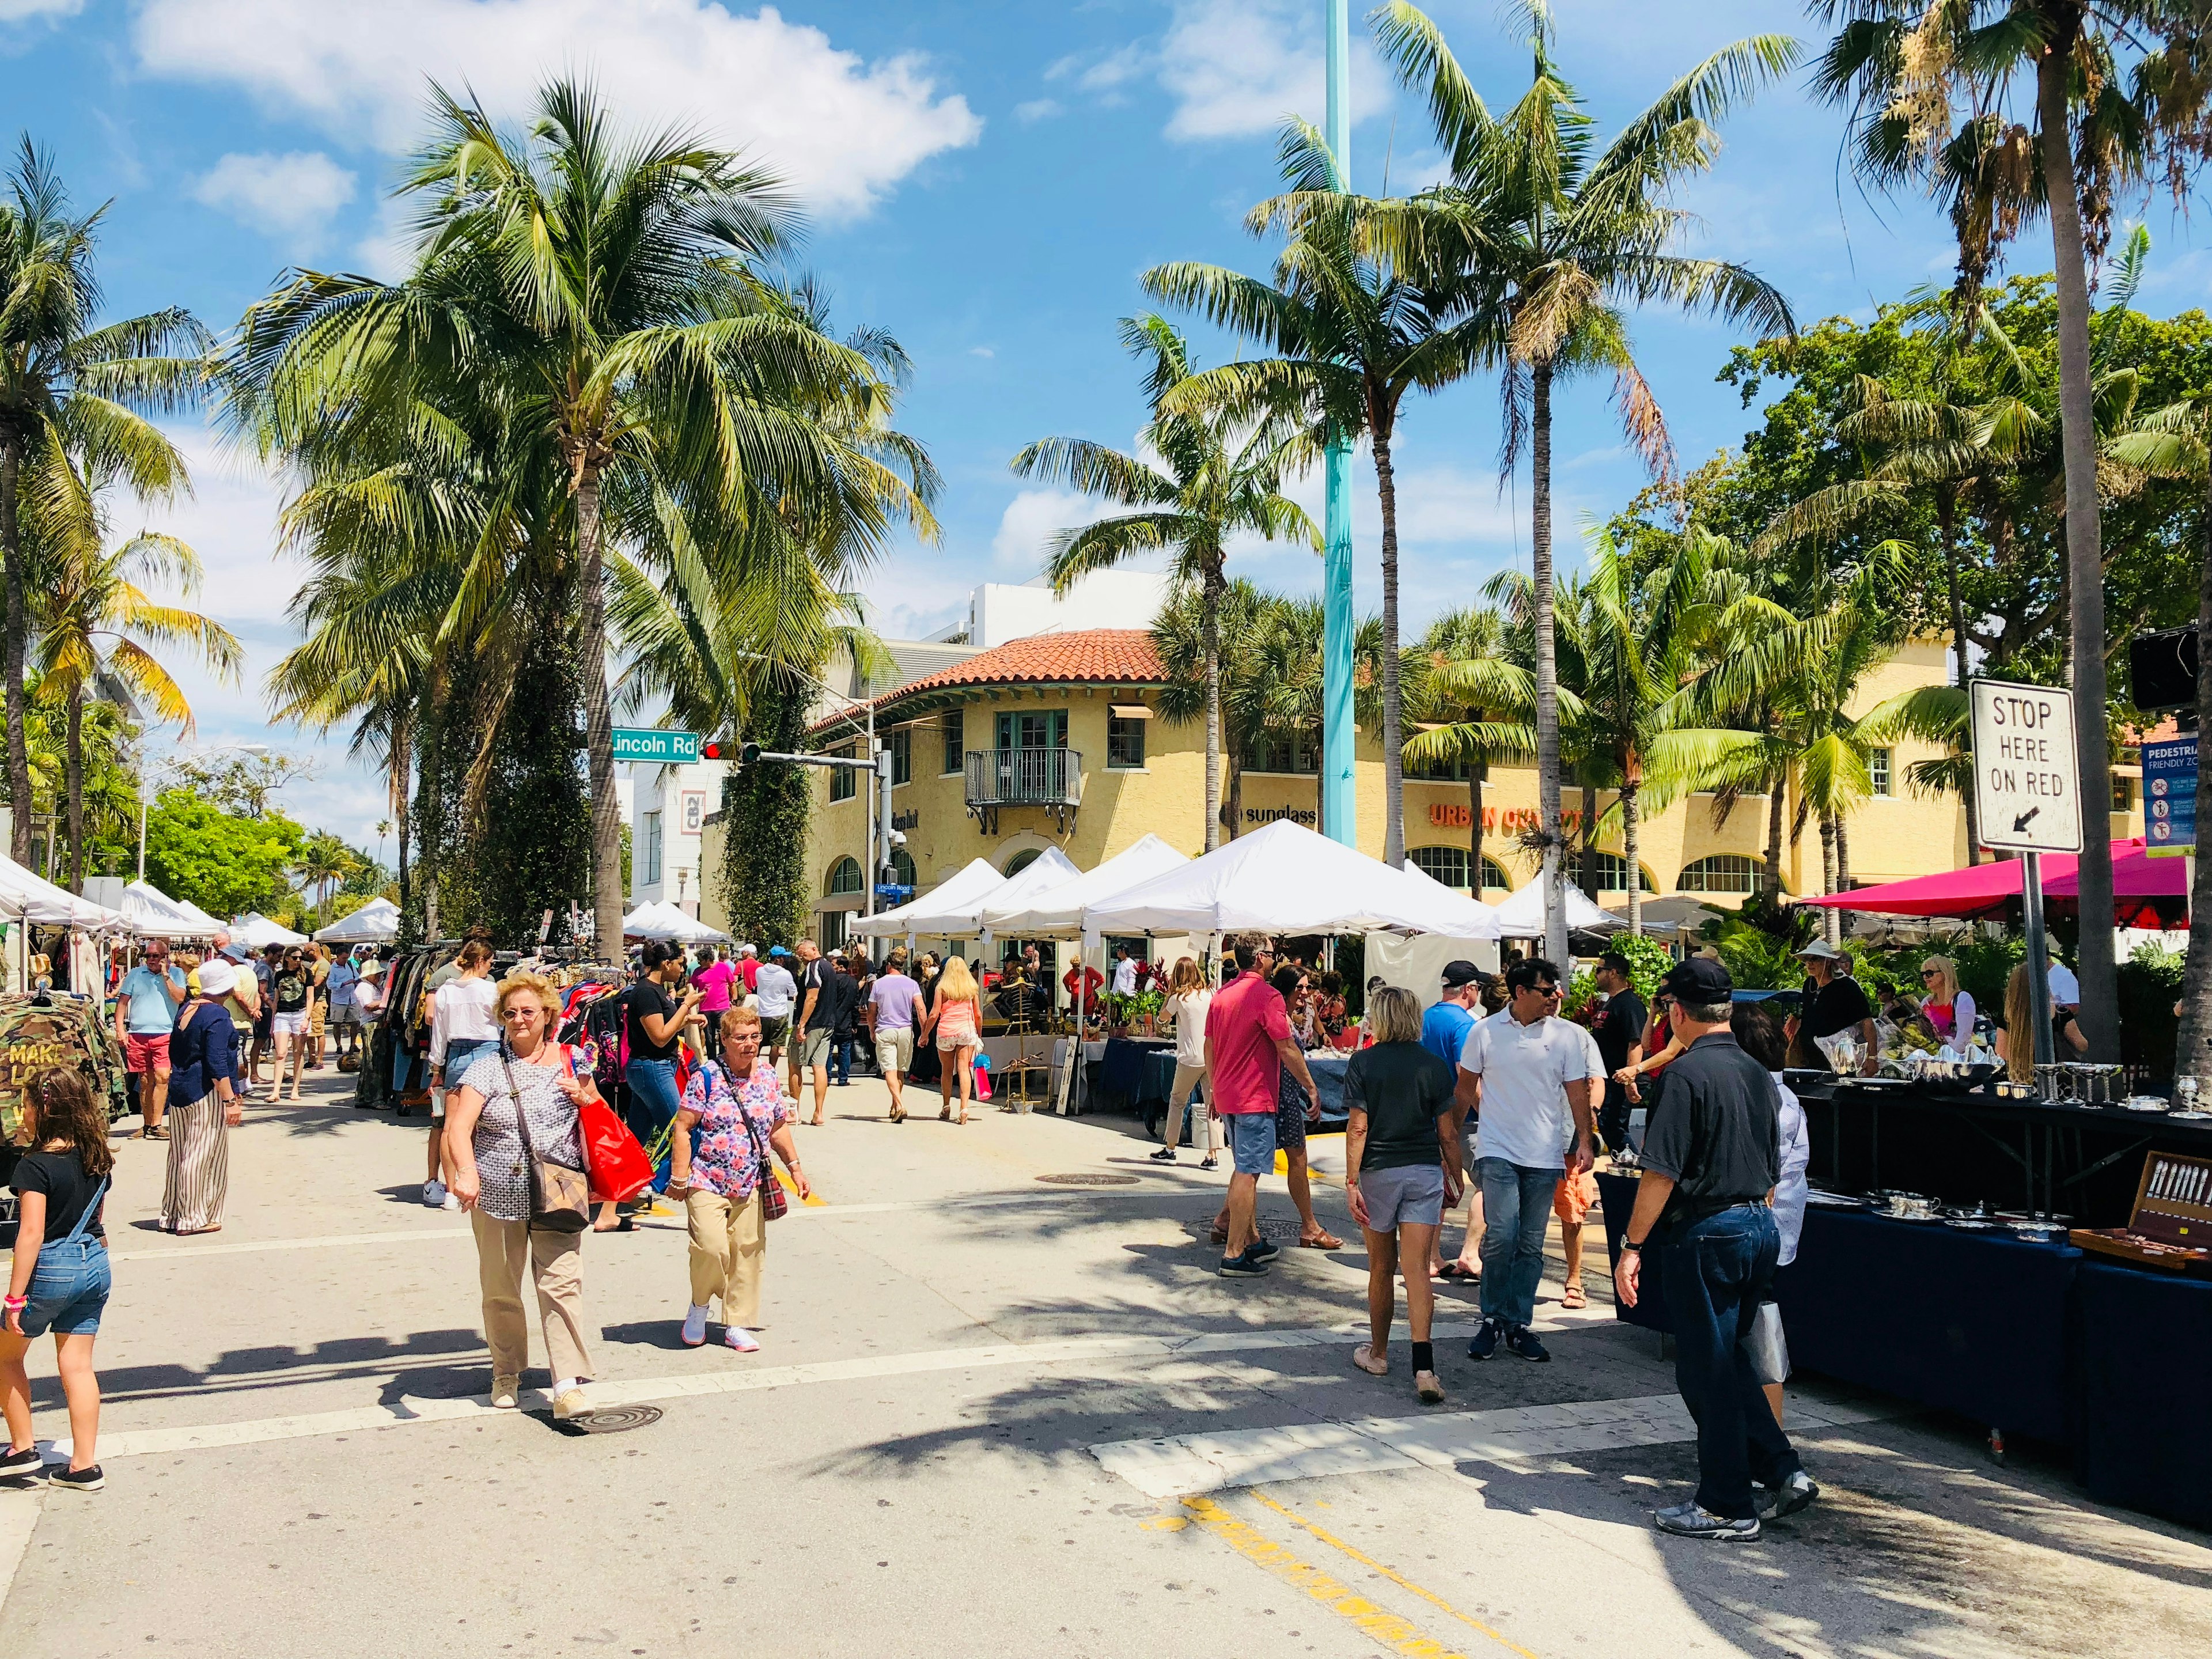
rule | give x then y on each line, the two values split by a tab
1931	973
522	1010
1545	990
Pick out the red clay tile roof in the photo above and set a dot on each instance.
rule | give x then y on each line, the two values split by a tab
1104	656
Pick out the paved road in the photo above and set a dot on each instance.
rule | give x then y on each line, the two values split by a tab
991	1414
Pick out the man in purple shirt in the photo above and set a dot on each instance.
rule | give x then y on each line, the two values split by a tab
891	1004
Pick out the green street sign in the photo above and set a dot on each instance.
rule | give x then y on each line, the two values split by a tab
656	747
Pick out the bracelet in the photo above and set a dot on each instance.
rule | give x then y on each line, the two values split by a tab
14	1302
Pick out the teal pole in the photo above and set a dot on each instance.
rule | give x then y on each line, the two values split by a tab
1339	797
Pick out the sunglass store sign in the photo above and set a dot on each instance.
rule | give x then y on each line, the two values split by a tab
2025	780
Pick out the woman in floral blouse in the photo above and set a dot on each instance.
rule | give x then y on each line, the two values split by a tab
732	1111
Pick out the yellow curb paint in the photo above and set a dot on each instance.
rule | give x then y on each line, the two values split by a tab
1394	1576
1379	1625
1283	1158
812	1200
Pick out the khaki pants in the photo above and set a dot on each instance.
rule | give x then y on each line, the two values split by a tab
557	1267
729	1248
1178	1092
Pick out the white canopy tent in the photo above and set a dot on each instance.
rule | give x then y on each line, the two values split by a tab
152	914
1282	878
1057	911
256	932
1522	916
966	889
663	920
1459	914
376	922
1049	869
27	897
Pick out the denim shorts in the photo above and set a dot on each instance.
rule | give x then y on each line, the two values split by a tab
1410	1193
68	1289
1251	1141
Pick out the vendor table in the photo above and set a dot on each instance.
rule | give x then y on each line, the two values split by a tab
1972	1322
2146	1347
1158	1082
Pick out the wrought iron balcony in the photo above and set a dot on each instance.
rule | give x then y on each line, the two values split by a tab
1050	779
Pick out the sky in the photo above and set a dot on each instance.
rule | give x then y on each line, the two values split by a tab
986	180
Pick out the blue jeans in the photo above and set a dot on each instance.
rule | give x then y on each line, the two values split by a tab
841	1059
1517	1210
1716	1272
653	1103
68	1289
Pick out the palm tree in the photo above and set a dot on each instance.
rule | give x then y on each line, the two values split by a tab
1557	238
1289	679
93	618
324	862
1188	629
601	298
1217	477
1351	332
1474	705
67	383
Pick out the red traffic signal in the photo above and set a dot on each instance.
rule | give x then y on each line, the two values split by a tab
710	750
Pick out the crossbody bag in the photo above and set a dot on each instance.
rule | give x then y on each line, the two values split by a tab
560	1197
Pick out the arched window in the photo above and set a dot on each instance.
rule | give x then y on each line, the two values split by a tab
845	876
1612	872
1022	861
1723	873
902	867
1445	864
1493	874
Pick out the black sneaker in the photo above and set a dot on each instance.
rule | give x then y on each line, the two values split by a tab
1795	1493
1522	1341
1246	1265
29	1461
1485	1340
90	1480
1166	1155
1261	1250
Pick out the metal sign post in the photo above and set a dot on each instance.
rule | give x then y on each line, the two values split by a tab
2025	781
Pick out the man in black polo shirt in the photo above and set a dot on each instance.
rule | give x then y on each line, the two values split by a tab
1618	1026
1712	1156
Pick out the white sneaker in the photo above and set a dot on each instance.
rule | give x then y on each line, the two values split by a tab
451	1203
434	1195
740	1339
694	1324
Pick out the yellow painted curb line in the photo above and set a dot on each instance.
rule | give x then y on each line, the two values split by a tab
1283	1158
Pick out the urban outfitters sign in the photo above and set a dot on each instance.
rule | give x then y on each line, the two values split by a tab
2026	782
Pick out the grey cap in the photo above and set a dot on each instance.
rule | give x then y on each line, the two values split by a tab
1820	950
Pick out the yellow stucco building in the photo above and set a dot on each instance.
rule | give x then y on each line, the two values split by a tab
1055	739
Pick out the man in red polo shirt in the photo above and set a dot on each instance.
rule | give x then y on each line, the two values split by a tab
1248	1043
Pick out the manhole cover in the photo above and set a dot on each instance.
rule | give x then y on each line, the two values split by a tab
1273	1231
1089	1180
614	1419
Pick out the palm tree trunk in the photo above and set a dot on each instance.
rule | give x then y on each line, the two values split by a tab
1776	789
1476	770
75	761
1828	875
2190	1058
1589	828
1236	791
1630	825
401	759
11	654
1547	659
1394	758
599	723
1843	869
1947	517
2084	554
1211	622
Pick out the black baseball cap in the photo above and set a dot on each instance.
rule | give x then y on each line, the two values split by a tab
1700	980
1460	973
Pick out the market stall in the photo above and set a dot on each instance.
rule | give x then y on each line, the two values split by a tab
663	920
255	932
1522	915
971	885
376	922
149	912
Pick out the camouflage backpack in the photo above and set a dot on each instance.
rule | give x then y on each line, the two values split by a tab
34	1035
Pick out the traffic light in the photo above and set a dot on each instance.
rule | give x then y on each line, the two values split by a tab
750	755
711	749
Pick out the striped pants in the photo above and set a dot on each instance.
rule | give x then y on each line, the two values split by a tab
199	1166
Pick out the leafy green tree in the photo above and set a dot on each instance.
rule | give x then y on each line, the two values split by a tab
78	387
1557	238
1216	477
226	863
1475	704
1184	634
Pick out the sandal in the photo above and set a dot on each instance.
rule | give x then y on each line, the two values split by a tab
1455	1273
1324	1241
898	1114
624	1225
944	1116
1572	1297
153	1135
1362	1358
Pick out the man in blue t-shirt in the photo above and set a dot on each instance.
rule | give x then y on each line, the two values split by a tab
146	1004
1443	1034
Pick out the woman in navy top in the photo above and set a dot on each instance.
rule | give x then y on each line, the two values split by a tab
204	1106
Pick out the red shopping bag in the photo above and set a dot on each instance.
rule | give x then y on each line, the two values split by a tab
618	1165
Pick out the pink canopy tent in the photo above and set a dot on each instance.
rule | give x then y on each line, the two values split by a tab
2142	888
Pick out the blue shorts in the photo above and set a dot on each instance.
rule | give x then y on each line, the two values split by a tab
1409	1194
1251	1141
68	1289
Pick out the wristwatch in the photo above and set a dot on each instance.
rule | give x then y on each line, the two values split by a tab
1628	1245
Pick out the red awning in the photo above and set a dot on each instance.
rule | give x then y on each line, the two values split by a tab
2140	886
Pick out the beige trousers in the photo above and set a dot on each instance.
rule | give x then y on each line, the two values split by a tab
729	1249
555	1261
1178	1092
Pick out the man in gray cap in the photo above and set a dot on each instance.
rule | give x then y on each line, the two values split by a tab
1834	1002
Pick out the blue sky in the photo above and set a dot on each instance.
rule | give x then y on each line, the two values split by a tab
986	180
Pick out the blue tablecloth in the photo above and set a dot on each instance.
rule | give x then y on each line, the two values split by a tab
2146	1344
1122	1069
1157	1079
1974	1323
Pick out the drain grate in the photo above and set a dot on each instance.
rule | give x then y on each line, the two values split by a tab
616	1419
1274	1230
1088	1179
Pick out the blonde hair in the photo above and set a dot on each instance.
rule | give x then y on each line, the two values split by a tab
1946	984
1189	977
548	994
735	1019
1394	1014
955	983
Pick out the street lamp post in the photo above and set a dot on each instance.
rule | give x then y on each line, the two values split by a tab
1339	796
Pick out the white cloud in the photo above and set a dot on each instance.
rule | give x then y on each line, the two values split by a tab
1037	109
1238	67
26	11
840	130
1031	519
981	351
292	196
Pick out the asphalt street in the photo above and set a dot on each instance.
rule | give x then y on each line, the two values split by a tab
994	1412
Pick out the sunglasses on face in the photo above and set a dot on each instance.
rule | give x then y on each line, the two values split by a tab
522	1010
1931	973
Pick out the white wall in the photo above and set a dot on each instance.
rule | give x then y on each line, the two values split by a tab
999	612
663	790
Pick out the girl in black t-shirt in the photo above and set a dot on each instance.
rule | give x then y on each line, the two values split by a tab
59	1282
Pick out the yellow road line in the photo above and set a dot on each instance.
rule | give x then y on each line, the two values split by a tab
1394	1575
783	1180
1379	1625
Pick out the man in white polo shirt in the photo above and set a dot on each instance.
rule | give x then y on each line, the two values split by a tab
1522	1071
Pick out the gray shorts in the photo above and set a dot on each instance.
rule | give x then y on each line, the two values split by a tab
895	1049
1411	1193
814	1048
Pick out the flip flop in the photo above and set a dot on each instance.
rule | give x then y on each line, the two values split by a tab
1457	1274
1572	1297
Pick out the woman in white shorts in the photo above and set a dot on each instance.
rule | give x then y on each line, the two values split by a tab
292	989
1401	1172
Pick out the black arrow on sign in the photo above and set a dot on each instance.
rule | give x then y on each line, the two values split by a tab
2020	823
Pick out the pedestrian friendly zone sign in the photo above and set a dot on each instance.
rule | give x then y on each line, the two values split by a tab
655	746
2026	782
